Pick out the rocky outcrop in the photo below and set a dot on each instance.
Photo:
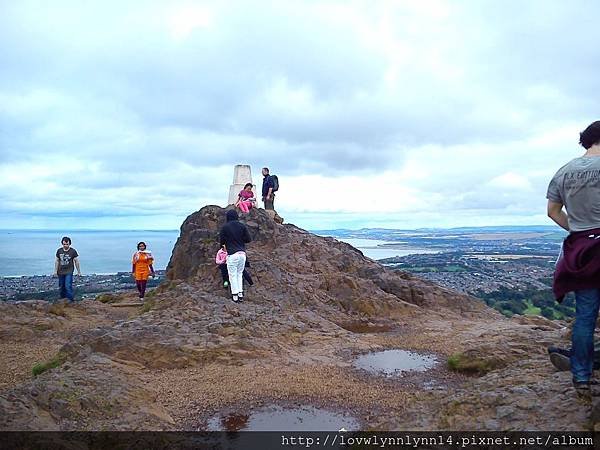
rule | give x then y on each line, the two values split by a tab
293	266
94	392
316	304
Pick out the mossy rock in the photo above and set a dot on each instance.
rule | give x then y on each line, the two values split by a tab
471	364
53	363
107	298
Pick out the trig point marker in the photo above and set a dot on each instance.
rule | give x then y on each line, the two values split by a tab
242	174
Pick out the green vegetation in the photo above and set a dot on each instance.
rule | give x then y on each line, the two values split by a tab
532	310
51	364
436	268
529	301
461	362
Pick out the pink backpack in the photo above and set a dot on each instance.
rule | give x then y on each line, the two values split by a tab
221	257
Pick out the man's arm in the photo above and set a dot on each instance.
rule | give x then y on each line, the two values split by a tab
556	213
270	191
76	261
56	266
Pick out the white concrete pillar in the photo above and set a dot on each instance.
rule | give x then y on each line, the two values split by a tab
242	174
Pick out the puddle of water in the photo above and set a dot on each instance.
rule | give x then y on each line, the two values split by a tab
394	362
305	418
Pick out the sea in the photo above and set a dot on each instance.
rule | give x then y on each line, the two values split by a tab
31	252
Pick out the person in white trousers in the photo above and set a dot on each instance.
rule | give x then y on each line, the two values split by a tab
235	269
234	236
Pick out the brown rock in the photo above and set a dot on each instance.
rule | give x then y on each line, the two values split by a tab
317	303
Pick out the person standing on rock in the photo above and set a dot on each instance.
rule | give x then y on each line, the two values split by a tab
268	189
141	268
234	236
576	186
66	260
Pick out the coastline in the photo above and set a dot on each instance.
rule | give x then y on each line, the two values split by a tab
45	287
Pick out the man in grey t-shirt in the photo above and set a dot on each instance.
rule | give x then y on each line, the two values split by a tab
66	260
576	186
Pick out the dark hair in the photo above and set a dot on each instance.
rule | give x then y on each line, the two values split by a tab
141	243
266	168
232	215
66	239
247	184
591	135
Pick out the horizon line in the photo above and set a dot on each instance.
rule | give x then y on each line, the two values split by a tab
62	230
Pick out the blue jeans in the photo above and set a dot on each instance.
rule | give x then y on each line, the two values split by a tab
587	302
65	284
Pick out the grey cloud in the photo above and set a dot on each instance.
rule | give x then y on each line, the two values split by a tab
103	84
217	82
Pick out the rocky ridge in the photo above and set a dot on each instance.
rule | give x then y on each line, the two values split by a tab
316	304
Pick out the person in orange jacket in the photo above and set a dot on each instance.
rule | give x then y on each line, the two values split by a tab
142	268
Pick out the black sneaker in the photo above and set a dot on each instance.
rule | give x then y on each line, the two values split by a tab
559	350
560	361
235	299
241	296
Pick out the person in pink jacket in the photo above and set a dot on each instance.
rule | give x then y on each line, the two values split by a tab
246	198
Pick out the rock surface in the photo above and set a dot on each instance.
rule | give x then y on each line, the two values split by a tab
317	303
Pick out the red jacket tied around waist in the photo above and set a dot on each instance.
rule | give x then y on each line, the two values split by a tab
579	267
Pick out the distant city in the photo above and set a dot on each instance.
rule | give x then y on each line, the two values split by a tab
45	287
510	268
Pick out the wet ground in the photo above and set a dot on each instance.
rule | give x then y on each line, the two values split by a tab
395	362
277	418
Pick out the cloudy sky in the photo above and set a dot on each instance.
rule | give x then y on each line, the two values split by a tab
402	114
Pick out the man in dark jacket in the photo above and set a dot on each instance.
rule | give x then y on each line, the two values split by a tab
576	186
268	196
234	236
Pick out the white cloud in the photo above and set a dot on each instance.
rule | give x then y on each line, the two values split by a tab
440	112
510	181
183	20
